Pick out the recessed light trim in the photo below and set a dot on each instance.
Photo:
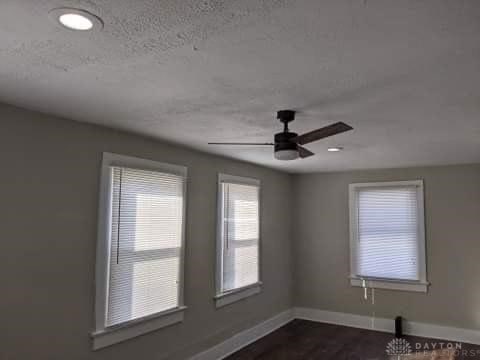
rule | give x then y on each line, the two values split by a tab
335	149
76	19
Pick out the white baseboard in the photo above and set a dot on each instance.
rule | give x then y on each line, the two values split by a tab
245	337
337	318
388	325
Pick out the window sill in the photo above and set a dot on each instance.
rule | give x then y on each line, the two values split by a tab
415	286
237	294
134	328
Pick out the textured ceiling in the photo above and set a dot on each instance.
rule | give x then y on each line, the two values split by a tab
404	74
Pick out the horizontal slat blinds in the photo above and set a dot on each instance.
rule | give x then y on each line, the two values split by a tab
388	233
240	233
146	240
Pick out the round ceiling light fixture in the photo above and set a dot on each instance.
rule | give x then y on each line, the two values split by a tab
76	19
335	149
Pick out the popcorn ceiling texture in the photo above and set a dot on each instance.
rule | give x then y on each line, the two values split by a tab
405	74
132	29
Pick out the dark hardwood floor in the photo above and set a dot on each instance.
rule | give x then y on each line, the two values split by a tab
307	340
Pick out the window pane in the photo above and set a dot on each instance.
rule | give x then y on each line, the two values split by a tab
146	238
240	227
388	233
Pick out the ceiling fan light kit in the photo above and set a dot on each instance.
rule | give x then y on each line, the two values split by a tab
287	145
286	154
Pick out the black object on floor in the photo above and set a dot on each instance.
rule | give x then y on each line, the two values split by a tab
398	327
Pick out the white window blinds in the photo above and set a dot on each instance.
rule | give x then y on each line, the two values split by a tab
388	233
240	235
147	210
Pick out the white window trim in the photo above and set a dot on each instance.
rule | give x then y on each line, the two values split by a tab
102	335
137	327
235	295
231	296
392	284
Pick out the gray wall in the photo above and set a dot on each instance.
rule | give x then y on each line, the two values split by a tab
48	205
321	243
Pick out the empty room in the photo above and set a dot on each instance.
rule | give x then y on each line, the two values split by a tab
240	179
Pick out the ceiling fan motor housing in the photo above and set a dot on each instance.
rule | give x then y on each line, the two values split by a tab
283	141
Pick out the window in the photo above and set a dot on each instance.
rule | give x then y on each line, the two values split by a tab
387	236
238	239
140	248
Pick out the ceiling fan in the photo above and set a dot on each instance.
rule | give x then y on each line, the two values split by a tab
287	145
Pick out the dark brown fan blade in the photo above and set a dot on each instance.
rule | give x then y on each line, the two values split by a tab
304	153
238	143
321	133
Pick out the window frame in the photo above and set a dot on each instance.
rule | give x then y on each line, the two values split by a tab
420	285
223	298
102	335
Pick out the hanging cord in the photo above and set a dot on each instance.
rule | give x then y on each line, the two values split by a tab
119	214
227	215
365	289
372	296
373	308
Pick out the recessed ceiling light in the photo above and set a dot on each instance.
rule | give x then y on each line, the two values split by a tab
335	149
76	19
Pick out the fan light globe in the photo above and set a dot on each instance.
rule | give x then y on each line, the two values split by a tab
286	154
